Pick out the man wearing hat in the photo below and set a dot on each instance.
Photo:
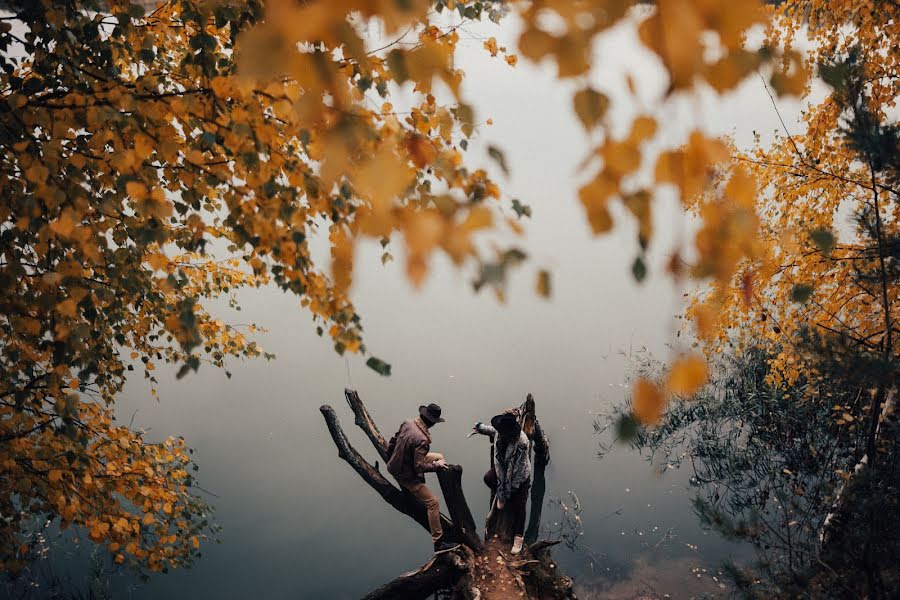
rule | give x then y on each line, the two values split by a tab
408	461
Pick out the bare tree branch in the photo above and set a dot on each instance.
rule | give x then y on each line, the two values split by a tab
364	421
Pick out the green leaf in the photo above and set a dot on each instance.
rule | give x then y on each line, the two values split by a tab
639	269
396	62
466	116
823	239
497	154
184	370
626	429
835	75
135	11
590	106
521	209
801	292
379	366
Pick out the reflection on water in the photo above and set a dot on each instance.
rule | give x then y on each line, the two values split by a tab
652	576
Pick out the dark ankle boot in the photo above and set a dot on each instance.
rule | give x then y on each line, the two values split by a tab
441	546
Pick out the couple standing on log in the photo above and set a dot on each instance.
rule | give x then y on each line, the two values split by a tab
409	458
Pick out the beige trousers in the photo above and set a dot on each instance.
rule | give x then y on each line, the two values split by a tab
432	504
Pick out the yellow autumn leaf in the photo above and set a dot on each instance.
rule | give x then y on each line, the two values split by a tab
642	128
692	167
342	247
687	375
64	224
543	283
479	217
647	402
158	261
67	308
491	46
137	190
673	33
535	43
594	197
383	177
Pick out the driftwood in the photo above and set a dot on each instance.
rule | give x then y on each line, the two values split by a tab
443	571
478	569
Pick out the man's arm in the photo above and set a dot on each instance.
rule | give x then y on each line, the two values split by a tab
421	464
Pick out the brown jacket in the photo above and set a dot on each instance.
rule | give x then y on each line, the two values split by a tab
406	453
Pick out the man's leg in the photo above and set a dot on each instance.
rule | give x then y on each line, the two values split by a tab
421	491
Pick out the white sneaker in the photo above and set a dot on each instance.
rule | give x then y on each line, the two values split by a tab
517	544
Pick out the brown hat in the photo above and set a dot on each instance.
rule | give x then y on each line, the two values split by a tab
432	412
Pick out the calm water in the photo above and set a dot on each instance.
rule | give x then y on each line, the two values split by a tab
299	523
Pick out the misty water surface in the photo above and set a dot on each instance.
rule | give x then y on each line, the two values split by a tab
299	523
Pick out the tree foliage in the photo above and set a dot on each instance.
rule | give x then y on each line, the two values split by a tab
155	161
810	266
795	446
771	463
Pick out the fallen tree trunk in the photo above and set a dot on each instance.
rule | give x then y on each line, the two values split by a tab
442	572
476	570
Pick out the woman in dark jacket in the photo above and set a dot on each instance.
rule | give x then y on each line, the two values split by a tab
510	479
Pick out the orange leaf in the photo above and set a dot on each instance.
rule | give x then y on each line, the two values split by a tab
687	375
543	283
647	402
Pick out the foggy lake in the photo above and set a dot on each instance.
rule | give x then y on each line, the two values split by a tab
299	523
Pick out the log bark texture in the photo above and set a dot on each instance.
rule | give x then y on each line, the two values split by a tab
364	421
539	484
442	572
463	522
